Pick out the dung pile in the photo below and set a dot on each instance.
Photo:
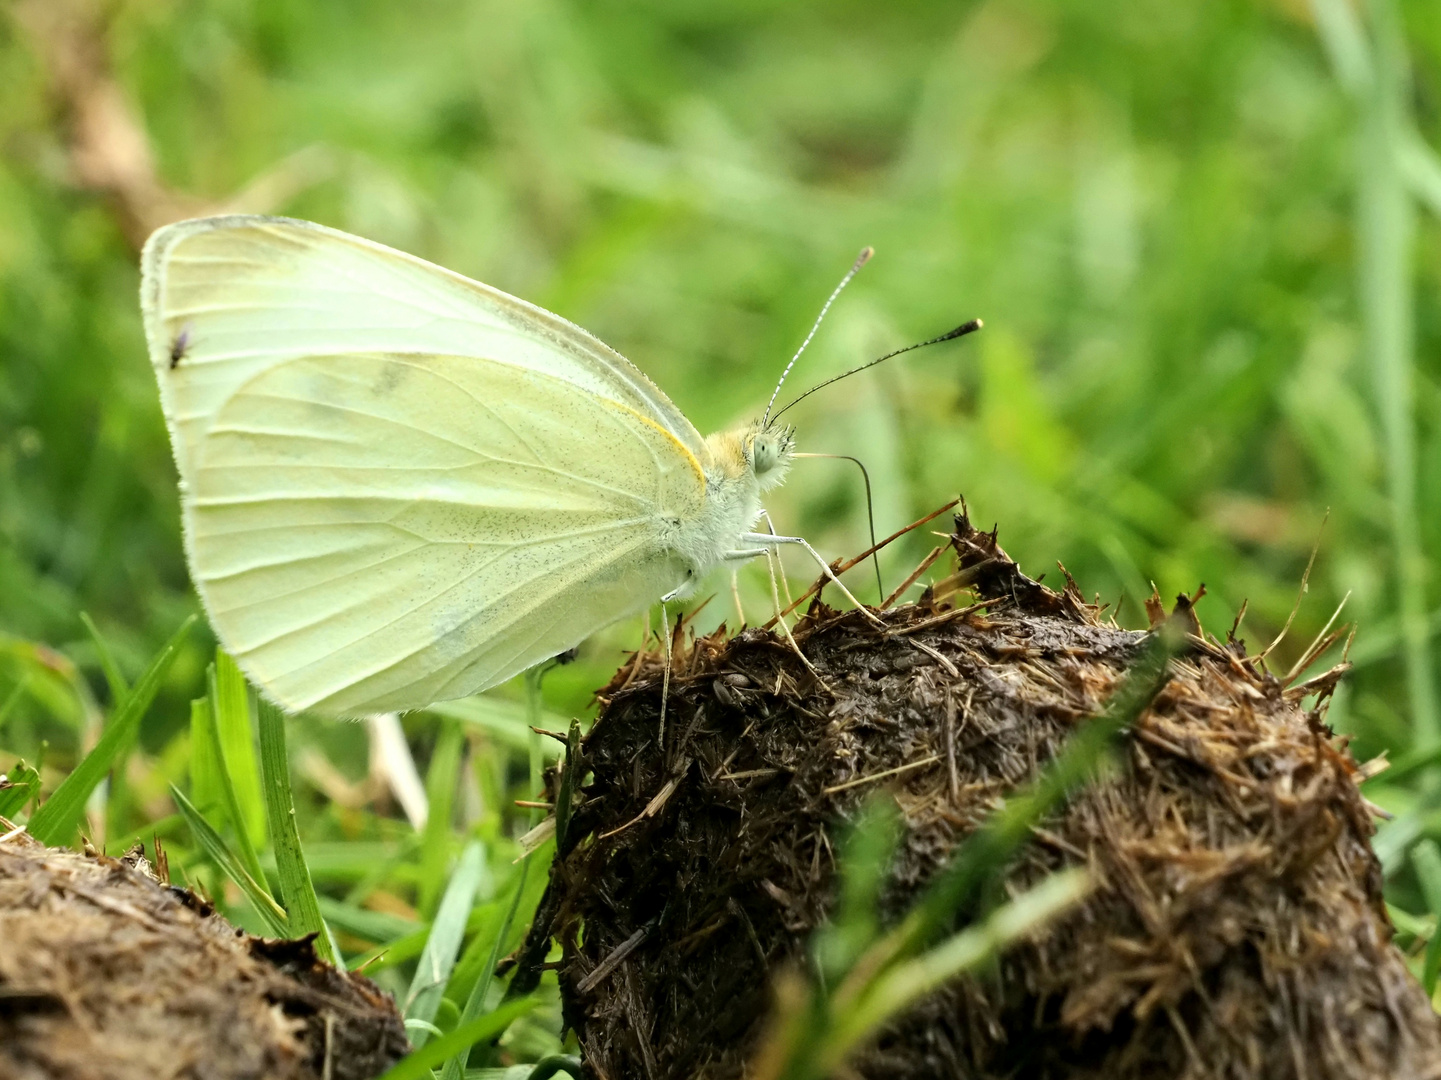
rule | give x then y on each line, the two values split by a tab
108	974
1237	929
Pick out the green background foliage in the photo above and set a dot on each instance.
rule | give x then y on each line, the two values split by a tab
1202	234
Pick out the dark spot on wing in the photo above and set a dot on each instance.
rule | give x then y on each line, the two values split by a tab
391	376
179	347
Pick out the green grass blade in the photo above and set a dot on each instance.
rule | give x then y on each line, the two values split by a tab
974	947
1339	27
18	787
1422	169
446	934
204	759
214	845
119	687
441	780
496	932
118	794
235	730
565	794
1415	926
163	827
475	1002
224	782
13	699
1409	764
483	920
349	860
503	721
867	851
1385	244
391	953
55	821
418	1065
375	926
553	1065
296	888
1426	859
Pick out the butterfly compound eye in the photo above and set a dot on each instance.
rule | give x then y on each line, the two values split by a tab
763	454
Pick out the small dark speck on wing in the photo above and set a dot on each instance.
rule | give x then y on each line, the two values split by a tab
178	347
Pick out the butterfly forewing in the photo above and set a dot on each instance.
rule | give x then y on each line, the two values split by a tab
245	293
373	531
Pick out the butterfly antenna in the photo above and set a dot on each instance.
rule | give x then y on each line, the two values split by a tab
861	260
950	335
870	510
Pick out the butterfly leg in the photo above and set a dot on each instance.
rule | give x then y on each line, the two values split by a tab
665	670
736	597
744	554
785	585
771	567
769	538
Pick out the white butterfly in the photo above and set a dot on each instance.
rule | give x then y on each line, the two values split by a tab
401	486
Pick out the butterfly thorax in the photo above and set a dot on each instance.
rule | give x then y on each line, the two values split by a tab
739	466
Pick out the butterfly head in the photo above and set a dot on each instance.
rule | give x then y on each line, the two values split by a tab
769	451
761	453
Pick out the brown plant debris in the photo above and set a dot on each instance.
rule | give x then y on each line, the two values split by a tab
106	973
1237	929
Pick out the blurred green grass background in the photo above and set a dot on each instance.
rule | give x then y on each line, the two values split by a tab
1202	234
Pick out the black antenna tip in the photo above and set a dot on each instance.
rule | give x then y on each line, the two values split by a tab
962	330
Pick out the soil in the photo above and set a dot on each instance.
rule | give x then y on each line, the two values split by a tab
108	973
1236	928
